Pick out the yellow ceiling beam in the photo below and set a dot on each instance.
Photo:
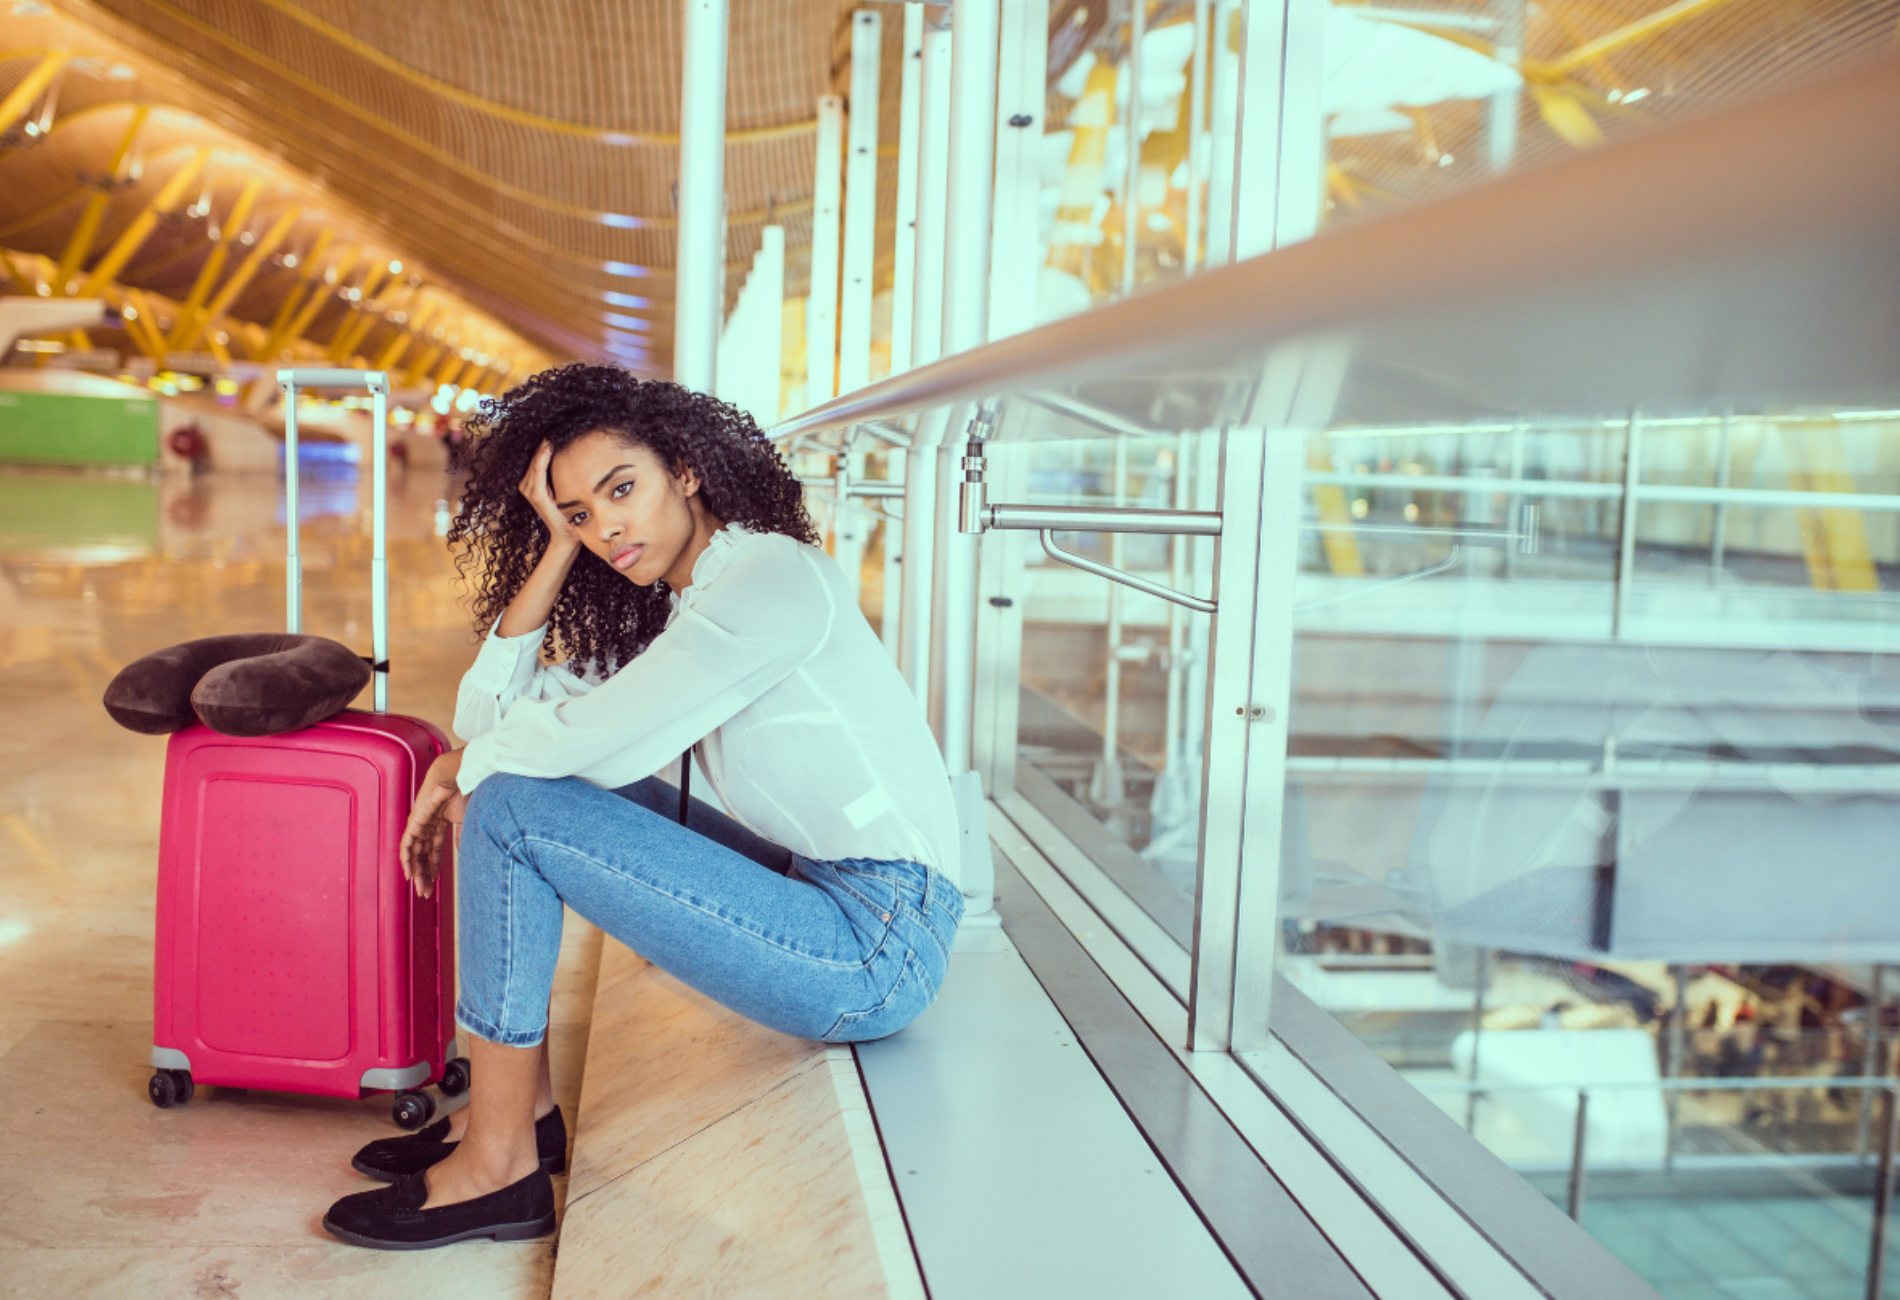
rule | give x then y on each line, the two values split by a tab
346	327
392	353
214	265
135	234
1652	24
416	372
144	329
83	234
32	85
345	348
451	369
310	268
308	312
241	279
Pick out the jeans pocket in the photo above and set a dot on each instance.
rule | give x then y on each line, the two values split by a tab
908	997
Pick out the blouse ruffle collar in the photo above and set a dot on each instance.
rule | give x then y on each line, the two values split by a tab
711	561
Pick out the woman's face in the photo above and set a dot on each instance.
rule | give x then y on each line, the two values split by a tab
629	510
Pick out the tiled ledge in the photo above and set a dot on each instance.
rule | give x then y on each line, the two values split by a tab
713	1157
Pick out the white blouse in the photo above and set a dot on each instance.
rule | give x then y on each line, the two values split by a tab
805	728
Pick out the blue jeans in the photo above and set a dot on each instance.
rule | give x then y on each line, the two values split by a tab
843	951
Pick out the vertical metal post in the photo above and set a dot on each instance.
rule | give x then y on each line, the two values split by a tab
293	571
1883	1192
700	303
1021	96
1229	736
1626	533
1131	128
1481	966
1500	111
1718	531
852	531
1281	150
999	626
1869	1060
1578	1152
821	309
1223	135
1106	789
1678	1047
860	203
379	539
920	462
1197	146
975	27
909	132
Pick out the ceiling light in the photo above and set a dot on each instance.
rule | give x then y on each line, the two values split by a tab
290	260
1635	95
619	222
627	269
395	268
628	322
624	300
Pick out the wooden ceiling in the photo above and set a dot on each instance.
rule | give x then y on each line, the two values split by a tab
524	153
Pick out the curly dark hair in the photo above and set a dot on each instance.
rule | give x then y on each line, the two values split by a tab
601	620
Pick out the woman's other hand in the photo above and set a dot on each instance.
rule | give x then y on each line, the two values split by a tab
439	805
540	495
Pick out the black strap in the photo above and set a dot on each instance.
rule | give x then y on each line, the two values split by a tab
378	666
686	783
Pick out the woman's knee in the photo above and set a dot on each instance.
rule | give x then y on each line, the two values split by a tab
502	805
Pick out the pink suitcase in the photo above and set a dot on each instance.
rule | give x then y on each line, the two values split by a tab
291	954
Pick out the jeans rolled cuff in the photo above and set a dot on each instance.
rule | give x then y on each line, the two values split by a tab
479	1027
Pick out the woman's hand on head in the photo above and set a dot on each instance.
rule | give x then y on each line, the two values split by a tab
439	807
536	487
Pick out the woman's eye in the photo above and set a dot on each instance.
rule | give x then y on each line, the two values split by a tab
576	520
623	489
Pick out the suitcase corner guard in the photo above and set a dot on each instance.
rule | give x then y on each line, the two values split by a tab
410	1076
169	1058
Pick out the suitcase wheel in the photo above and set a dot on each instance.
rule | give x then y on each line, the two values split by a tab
455	1077
170	1088
412	1110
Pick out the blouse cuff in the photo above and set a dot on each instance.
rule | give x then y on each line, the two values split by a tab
505	665
477	764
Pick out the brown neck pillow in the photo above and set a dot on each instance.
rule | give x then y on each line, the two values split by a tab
249	684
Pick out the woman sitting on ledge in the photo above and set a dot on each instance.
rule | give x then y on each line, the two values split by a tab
653	537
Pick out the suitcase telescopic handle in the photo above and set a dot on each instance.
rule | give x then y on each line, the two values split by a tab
377	382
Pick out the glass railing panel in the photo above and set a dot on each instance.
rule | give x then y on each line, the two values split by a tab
1113	681
1588	795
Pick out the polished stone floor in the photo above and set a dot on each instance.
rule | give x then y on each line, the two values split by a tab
101	1194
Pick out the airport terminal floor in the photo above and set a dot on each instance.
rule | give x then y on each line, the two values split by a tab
1346	559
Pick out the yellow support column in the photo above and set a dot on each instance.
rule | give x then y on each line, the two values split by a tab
1834	542
420	370
1342	548
134	236
16	103
308	312
365	288
83	234
242	278
190	318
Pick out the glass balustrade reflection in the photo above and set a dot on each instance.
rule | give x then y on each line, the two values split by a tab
1593	769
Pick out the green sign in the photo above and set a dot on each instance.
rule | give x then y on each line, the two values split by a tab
69	429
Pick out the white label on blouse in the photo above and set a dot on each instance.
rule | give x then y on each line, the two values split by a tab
862	811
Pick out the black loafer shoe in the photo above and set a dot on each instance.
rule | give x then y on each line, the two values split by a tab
393	1158
392	1218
